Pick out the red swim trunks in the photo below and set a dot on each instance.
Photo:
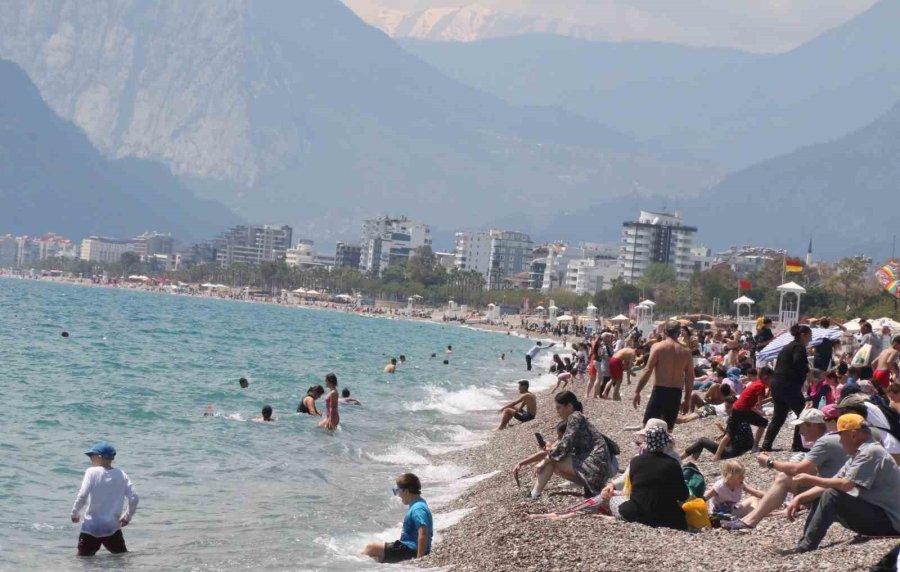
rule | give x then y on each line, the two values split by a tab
882	378
615	368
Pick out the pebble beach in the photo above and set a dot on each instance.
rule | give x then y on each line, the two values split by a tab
495	535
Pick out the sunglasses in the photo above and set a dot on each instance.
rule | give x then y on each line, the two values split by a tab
395	490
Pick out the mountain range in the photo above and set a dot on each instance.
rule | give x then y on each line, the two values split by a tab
724	106
300	113
52	179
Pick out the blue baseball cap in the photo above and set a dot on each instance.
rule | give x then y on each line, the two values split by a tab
102	449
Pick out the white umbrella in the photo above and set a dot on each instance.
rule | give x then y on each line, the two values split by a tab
619	318
312	292
539	309
744	300
344	296
565	318
771	351
300	291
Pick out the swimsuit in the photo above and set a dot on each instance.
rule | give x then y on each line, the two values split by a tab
663	404
302	408
523	416
882	378
616	368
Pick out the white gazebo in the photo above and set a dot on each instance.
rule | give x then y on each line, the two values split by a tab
745	320
591	310
644	316
789	304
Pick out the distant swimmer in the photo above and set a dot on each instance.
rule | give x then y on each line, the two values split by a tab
502	357
402	360
433	356
346	399
391	367
244	383
209	411
308	403
535	350
266	414
332	417
446	362
65	334
104	491
524	409
449	350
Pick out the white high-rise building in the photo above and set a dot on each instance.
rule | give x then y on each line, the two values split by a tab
656	238
496	254
253	244
387	240
99	249
591	275
590	260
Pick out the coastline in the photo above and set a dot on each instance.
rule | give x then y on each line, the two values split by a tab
495	535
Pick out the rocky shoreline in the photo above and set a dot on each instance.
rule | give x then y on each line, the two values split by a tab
496	536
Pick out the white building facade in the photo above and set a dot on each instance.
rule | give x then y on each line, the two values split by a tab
656	238
387	240
100	249
496	254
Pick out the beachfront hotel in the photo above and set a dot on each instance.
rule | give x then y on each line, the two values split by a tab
656	238
253	244
387	240
496	254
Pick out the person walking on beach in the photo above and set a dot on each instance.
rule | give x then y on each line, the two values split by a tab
418	525
620	364
534	351
791	370
672	368
523	409
104	491
332	417
885	365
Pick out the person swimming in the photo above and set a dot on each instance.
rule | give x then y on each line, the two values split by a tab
308	403
266	415
345	397
244	383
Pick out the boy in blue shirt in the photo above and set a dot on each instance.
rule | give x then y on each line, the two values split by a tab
418	528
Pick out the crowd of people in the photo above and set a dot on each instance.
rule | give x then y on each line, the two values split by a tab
840	396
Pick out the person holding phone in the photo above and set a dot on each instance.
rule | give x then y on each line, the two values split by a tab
541	455
581	456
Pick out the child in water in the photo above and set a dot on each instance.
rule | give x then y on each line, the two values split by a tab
332	417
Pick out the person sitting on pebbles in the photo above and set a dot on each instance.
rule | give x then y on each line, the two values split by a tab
522	409
581	456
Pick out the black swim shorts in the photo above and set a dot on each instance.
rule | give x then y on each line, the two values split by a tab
664	404
523	416
89	545
396	551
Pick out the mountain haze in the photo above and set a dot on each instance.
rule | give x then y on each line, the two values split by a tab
299	112
52	179
723	106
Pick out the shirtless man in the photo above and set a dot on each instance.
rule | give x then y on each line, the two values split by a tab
621	363
672	369
523	409
886	365
391	367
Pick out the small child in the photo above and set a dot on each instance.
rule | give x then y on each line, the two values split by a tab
727	492
107	489
418	526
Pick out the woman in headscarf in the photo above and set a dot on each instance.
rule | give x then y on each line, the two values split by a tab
581	456
657	485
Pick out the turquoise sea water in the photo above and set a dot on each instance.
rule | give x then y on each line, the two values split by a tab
223	492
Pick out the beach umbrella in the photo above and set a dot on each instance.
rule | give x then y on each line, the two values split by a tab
619	318
565	318
312	293
889	276
300	291
771	351
539	309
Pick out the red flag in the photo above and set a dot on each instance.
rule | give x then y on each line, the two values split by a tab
744	285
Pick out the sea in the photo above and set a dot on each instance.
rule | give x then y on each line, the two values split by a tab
223	492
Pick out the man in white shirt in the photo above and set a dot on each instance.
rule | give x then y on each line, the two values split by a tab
107	488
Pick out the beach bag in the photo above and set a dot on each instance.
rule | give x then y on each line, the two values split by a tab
696	513
694	480
861	357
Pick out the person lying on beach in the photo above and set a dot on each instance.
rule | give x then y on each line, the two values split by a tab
266	415
523	409
735	440
539	456
418	525
308	403
391	367
346	399
581	456
726	494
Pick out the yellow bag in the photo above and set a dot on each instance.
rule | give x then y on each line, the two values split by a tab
696	513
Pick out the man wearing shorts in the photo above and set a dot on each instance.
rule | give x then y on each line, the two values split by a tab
621	362
418	526
672	368
886	364
522	409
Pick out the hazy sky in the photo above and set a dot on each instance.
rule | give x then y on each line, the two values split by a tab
759	25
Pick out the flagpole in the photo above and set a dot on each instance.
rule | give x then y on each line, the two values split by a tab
783	266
